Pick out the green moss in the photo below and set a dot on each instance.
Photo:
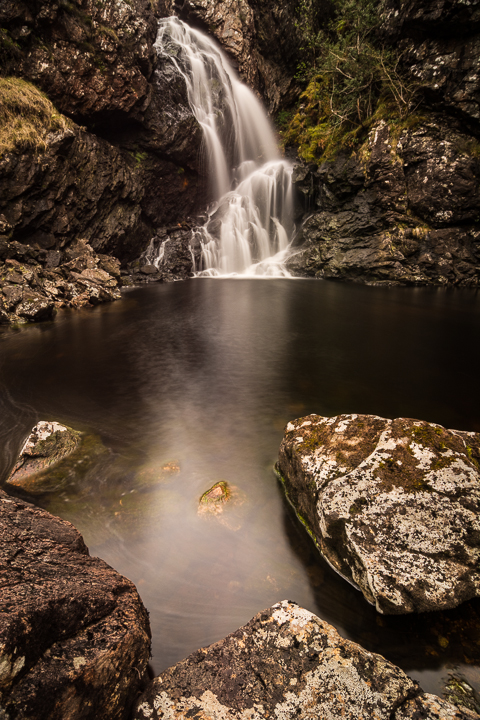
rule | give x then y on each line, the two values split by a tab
352	81
218	493
26	116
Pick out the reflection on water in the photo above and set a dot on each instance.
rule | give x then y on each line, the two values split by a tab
192	383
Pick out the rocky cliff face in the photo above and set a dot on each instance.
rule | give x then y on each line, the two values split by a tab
93	59
440	42
405	208
259	36
128	163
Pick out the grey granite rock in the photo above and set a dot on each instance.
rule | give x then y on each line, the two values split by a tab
393	505
287	663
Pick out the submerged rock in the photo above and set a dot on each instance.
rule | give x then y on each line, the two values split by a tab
287	663
213	499
53	455
74	635
225	503
393	505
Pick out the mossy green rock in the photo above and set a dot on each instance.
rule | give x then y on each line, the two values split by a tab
393	505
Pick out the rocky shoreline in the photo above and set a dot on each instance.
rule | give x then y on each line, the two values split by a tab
75	637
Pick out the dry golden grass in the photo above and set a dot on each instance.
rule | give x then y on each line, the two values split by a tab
26	116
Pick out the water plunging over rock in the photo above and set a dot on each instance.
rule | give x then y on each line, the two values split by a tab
251	218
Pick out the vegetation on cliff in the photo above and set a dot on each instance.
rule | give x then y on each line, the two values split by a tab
26	116
351	79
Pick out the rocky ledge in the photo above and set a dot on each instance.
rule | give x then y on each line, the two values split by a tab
393	505
74	635
402	210
287	663
34	282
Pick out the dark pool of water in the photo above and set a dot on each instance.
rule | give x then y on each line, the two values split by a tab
205	374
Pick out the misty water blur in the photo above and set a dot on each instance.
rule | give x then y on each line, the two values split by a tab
204	375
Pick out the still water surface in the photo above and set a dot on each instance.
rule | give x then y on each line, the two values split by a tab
204	375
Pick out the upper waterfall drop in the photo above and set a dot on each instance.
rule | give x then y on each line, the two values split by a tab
251	219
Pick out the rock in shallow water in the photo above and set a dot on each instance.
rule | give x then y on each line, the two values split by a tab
393	505
52	457
287	663
74	635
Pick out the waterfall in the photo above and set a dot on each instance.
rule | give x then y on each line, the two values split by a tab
250	221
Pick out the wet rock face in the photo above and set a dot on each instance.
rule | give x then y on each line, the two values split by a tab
404	209
287	663
88	189
245	29
393	505
91	58
35	282
74	635
440	45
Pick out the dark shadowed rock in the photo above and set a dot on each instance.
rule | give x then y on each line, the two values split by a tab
74	635
404	209
393	505
287	663
439	42
245	29
89	189
93	59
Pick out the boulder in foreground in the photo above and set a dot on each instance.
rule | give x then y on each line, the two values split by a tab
286	663
393	505
74	634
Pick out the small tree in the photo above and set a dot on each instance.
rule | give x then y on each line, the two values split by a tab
348	73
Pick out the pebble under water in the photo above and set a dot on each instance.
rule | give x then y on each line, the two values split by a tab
192	383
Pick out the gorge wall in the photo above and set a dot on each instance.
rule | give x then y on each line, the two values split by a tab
126	163
404	207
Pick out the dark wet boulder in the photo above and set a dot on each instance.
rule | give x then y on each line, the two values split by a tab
287	663
74	635
393	505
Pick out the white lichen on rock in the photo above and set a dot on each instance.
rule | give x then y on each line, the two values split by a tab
393	505
288	664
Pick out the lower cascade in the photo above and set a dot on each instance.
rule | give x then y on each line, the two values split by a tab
250	222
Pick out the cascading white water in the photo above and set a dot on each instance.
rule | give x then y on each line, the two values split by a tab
251	220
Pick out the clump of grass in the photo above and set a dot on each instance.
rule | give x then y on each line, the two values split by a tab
26	116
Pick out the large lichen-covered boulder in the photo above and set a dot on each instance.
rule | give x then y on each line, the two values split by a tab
287	663
393	505
74	634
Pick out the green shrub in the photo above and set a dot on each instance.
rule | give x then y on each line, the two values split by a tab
349	76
